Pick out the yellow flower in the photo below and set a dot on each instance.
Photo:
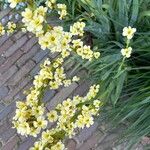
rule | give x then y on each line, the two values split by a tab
126	52
58	146
85	52
75	79
67	82
128	32
37	146
80	122
62	10
50	3
47	62
77	43
13	3
77	28
77	99
11	27
96	55
40	123
46	137
36	24
97	103
21	105
59	106
88	121
20	115
67	103
52	116
34	131
38	111
53	85
49	40
23	128
92	92
41	11
27	15
2	31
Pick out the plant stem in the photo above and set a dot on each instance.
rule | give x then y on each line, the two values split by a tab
30	3
121	64
127	43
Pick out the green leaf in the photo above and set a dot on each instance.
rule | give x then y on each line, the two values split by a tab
134	12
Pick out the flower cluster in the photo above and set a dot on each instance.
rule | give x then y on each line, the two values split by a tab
29	118
49	141
55	38
33	20
63	42
83	50
10	28
77	28
128	32
52	74
71	114
62	10
57	41
2	30
50	4
80	112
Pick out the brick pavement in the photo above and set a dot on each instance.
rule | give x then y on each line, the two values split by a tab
20	58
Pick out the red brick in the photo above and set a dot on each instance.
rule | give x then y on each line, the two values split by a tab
7	109
27	46
21	95
4	12
4	126
27	56
17	36
15	90
62	95
29	142
3	39
40	55
6	45
2	60
7	134
16	46
82	89
4	77
3	91
91	143
10	61
5	20
11	143
36	69
21	73
71	145
145	140
86	132
53	55
69	65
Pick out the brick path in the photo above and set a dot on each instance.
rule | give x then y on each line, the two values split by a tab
20	57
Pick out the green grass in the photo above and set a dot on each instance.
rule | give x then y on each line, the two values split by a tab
125	85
